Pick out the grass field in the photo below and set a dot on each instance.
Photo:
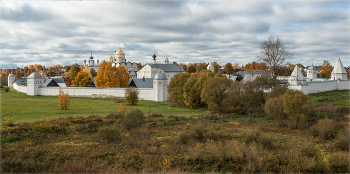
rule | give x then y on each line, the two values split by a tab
331	95
73	141
23	108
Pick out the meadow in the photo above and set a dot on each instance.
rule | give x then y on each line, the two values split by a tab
22	108
170	139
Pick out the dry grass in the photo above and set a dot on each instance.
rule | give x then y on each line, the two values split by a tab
167	144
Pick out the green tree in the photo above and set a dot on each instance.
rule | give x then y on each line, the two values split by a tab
132	95
274	109
175	89
229	69
297	105
81	80
215	94
74	70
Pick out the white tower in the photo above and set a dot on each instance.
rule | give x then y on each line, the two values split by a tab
10	81
339	71
160	87
34	81
296	77
166	60
311	72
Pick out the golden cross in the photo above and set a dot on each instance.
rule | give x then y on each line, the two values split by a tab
119	46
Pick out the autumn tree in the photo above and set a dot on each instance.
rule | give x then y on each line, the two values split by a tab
175	89
74	70
81	80
93	73
256	66
139	66
191	68
63	99
31	67
236	65
68	80
216	66
273	52
132	95
121	108
229	69
183	66
215	94
25	70
326	69
200	67
274	109
87	71
297	105
123	77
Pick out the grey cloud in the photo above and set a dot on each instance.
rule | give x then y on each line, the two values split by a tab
26	13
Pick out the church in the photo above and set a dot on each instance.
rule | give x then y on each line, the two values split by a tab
91	64
119	60
149	70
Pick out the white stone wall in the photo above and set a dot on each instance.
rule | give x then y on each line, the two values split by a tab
145	93
322	86
20	88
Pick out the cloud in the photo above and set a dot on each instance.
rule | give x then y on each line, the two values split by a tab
187	31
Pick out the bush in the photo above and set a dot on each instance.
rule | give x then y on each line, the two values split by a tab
342	141
109	133
7	89
326	129
197	132
131	95
133	119
309	150
250	136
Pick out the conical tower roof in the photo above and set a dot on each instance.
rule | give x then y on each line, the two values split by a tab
338	68
297	73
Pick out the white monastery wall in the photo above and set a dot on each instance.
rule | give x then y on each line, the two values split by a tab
145	93
20	88
343	85
316	87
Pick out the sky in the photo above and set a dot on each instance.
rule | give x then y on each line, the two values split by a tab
65	32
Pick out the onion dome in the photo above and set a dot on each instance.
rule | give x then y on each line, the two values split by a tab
11	75
91	57
110	55
154	56
120	52
160	76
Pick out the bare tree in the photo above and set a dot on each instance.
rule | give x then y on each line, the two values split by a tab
273	52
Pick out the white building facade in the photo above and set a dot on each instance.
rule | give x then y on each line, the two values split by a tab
119	60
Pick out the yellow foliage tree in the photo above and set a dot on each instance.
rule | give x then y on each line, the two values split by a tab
81	80
63	99
121	108
123	77
87	71
111	76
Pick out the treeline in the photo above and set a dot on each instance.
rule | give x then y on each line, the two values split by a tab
218	93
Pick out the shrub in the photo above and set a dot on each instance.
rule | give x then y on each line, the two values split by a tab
274	109
109	133
309	150
117	115
326	129
267	142
7	89
121	108
133	119
131	95
197	132
342	141
250	136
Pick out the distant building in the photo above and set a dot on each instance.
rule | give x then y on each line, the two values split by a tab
91	64
250	75
119	60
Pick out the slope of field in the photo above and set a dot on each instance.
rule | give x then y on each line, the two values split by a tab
23	108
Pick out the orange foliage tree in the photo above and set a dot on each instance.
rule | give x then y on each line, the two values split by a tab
256	66
121	108
111	76
63	99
